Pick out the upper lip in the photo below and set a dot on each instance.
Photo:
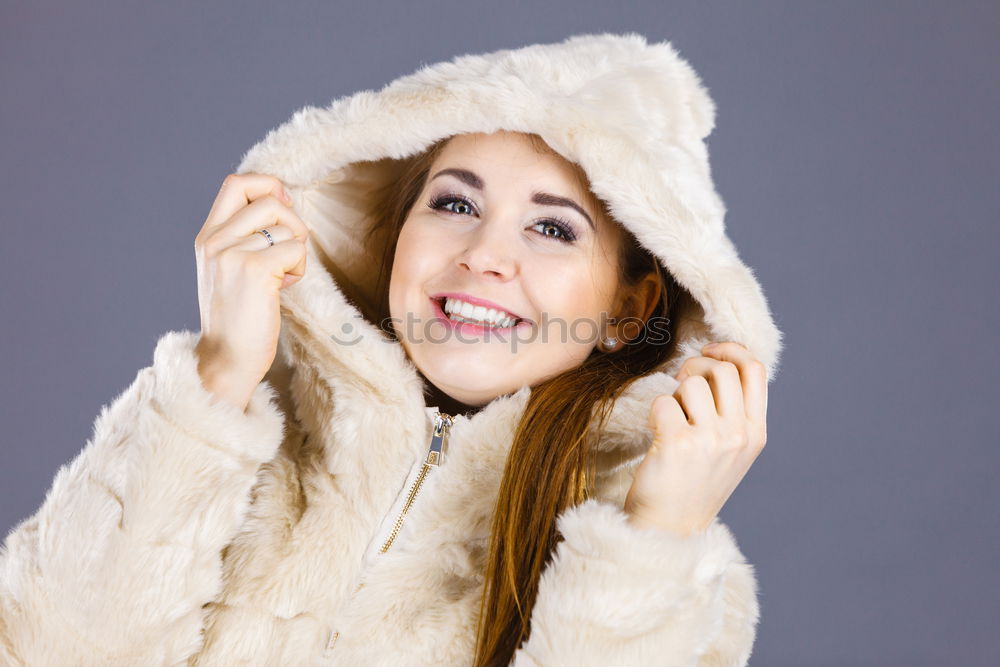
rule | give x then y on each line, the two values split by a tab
476	301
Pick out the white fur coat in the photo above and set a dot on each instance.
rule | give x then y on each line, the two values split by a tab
189	533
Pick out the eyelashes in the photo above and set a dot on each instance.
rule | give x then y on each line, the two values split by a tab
564	227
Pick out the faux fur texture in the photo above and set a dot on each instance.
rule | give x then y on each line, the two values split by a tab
187	532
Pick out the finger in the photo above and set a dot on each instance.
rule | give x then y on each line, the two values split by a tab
281	260
299	269
695	398
263	212
256	241
237	191
295	272
666	417
753	377
724	378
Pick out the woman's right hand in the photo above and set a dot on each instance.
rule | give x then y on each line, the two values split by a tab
239	280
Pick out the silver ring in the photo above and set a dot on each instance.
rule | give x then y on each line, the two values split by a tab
267	235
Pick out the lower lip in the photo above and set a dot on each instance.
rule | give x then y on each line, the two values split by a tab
471	329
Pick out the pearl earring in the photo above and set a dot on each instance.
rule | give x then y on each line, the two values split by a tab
609	343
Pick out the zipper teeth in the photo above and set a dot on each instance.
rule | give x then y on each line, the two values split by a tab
406	507
433	458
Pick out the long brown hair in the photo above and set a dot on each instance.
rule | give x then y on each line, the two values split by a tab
551	464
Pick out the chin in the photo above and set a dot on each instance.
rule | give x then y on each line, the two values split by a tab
473	401
461	389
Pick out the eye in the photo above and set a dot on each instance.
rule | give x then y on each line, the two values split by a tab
452	204
555	228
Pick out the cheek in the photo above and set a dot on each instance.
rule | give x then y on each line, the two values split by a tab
578	289
404	252
413	260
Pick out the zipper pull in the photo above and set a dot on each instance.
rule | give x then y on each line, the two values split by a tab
442	424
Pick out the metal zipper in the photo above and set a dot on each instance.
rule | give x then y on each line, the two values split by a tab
434	458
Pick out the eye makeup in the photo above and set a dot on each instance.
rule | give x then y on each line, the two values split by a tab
566	228
473	180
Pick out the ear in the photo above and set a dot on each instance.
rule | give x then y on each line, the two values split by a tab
637	302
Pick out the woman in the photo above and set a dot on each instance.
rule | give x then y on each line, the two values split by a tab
449	404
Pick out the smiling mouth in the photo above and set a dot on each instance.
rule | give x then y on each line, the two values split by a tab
458	311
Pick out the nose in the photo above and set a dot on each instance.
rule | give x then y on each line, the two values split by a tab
488	252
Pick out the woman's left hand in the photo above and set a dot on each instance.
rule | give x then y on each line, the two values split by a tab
706	435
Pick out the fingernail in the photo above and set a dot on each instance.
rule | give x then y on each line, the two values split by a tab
710	346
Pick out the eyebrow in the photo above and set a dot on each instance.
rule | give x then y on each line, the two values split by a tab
543	198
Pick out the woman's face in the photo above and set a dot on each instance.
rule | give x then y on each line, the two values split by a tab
500	226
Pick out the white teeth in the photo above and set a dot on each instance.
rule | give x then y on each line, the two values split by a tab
463	311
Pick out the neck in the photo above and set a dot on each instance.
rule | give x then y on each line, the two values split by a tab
445	403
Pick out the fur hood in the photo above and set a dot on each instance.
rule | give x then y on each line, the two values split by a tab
635	116
189	533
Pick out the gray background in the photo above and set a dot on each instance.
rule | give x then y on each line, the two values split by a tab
856	149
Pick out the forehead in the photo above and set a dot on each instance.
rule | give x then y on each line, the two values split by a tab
513	154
